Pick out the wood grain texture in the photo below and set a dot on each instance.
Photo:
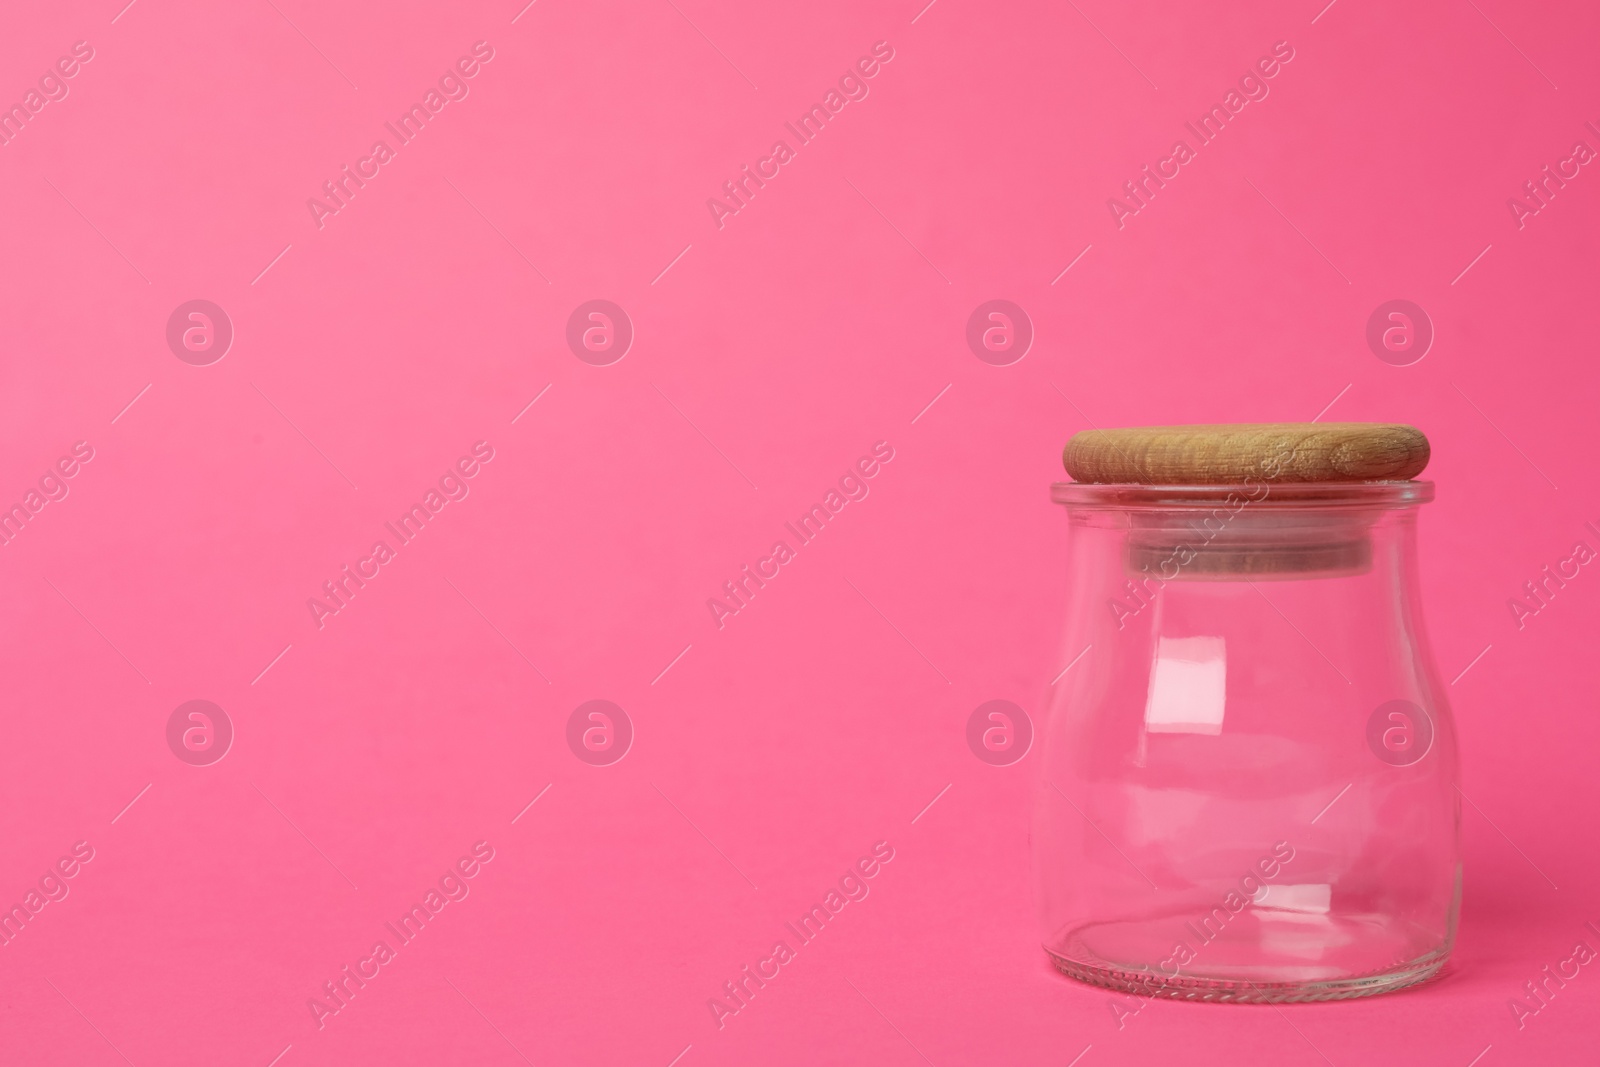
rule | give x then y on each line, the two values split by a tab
1228	454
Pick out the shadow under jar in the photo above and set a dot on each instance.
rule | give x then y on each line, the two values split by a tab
1248	782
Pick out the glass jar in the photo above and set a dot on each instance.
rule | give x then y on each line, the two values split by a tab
1247	787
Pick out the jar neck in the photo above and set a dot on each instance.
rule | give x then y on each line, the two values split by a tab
1248	532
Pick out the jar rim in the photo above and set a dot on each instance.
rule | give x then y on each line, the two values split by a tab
1264	493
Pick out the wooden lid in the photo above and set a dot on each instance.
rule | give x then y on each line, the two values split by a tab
1274	452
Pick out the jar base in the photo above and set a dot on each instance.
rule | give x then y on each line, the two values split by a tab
1239	991
1261	981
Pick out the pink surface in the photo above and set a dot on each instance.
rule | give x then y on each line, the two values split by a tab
374	747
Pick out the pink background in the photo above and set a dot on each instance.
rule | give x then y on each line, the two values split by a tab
822	318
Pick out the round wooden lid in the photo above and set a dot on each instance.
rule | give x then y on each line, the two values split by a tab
1229	454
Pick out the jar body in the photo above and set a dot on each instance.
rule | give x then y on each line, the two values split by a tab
1248	781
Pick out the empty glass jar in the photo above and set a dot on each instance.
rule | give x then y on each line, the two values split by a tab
1248	779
